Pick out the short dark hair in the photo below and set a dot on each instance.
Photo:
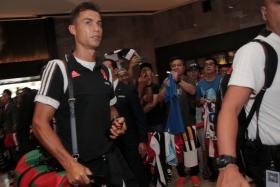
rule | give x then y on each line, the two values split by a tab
8	92
82	7
146	65
176	58
212	59
114	63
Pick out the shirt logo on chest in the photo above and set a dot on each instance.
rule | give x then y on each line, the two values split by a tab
75	74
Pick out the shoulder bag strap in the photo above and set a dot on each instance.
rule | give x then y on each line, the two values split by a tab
71	101
271	63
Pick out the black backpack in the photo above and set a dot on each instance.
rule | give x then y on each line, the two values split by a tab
271	62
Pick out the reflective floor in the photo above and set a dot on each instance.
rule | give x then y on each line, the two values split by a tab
204	183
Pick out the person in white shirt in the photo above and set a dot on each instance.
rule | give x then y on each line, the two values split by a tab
246	81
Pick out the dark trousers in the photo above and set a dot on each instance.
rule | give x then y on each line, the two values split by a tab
258	159
181	170
135	163
111	169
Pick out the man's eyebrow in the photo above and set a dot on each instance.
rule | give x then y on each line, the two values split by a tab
87	19
90	19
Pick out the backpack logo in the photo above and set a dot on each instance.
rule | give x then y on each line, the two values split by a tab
75	74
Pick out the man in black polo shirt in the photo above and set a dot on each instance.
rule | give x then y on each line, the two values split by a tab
93	110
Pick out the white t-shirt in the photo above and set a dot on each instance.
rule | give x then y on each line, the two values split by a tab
248	71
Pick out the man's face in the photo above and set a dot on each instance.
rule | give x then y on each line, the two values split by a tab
123	76
193	74
209	67
271	15
87	29
147	72
177	66
223	70
5	98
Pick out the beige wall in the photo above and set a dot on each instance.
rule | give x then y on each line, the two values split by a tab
145	33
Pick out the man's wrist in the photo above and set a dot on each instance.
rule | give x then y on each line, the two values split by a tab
229	166
68	163
223	160
178	81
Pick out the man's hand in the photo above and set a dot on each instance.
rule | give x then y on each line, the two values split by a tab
118	127
145	78
175	75
142	149
230	177
77	174
142	80
134	61
202	101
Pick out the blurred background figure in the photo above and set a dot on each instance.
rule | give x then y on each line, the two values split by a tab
133	143
223	69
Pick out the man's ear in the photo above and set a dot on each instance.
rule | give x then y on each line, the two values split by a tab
72	29
264	13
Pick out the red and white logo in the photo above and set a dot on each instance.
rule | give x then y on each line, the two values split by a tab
75	74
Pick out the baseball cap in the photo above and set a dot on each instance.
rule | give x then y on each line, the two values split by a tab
193	66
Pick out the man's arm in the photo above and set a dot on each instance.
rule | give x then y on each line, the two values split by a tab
149	106
114	112
43	114
132	63
187	87
162	90
148	95
235	98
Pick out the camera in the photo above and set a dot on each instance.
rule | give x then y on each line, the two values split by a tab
121	54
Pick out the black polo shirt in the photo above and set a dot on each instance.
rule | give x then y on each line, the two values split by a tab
92	108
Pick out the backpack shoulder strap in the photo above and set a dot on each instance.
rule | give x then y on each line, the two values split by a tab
271	63
71	101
